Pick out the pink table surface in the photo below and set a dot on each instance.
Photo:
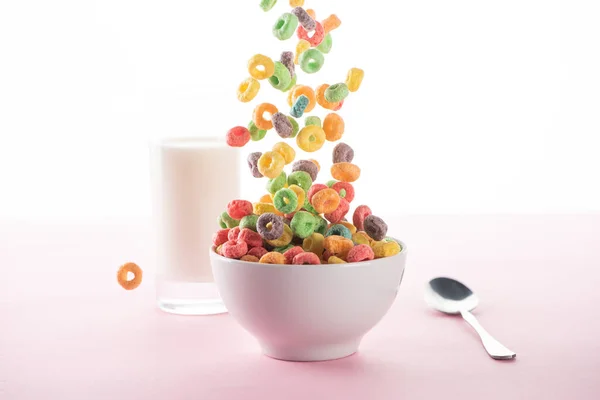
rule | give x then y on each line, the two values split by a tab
68	331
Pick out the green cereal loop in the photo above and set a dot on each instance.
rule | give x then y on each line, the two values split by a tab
266	5
301	179
331	182
325	46
314	120
255	133
303	224
273	185
343	193
222	224
283	249
321	226
285	26
228	221
249	222
281	77
336	93
280	203
308	207
311	61
339	230
295	126
292	83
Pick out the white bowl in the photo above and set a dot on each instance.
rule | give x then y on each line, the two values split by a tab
308	312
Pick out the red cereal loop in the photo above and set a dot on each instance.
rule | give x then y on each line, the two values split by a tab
306	258
359	253
317	187
291	253
233	234
339	213
290	215
252	239
238	136
234	249
358	219
326	255
220	237
316	38
339	106
338	186
238	209
257	252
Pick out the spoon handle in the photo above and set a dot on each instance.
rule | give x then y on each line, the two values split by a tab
494	348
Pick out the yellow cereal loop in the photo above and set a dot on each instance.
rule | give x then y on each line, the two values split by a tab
316	163
354	79
267	198
272	258
301	47
248	90
296	3
288	153
335	260
263	208
361	237
310	139
348	225
285	239
330	23
301	195
271	163
385	249
290	94
315	243
261	67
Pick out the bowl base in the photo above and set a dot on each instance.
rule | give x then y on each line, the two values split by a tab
307	353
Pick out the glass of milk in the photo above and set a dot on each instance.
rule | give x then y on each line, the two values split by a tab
193	179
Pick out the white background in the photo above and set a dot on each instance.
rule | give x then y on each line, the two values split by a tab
467	106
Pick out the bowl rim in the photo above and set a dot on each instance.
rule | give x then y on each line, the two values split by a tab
309	266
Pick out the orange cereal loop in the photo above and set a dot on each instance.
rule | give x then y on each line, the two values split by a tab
330	23
250	258
338	246
267	198
122	276
320	95
334	127
272	258
261	67
271	164
316	162
325	201
312	13
288	153
345	172
259	116
308	92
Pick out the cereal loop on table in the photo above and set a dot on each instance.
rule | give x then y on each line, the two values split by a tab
303	224
286	151
299	106
359	253
311	138
234	249
270	226
375	227
282	125
345	172
330	23
342	153
238	136
285	26
314	244
124	270
281	77
261	67
325	201
317	35
336	93
347	188
291	253
259	115
311	61
267	5
247	90
271	164
339	213
255	133
306	259
326	44
249	258
354	79
307	22
272	258
320	94
285	200
300	194
309	93
238	209
301	179
306	166
334	127
284	239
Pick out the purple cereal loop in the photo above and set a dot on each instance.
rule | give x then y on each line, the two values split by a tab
282	125
253	164
342	153
276	230
375	227
305	19
287	59
307	166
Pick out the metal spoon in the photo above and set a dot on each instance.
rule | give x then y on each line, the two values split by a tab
452	297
